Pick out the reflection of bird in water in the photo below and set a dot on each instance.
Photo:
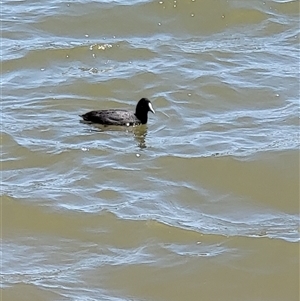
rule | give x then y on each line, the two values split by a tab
140	133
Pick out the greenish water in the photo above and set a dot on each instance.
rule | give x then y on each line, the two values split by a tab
202	202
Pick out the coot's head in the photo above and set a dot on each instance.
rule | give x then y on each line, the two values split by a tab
142	108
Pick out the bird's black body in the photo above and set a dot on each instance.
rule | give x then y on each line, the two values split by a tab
120	116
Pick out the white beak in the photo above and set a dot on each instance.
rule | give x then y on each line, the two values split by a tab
151	108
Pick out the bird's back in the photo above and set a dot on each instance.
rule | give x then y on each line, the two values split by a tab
111	117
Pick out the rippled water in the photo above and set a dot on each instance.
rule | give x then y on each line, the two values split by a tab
201	203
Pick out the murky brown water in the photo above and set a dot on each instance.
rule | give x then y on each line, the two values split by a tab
200	204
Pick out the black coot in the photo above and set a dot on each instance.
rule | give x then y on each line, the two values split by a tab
121	117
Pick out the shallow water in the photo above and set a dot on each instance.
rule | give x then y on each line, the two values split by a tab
202	202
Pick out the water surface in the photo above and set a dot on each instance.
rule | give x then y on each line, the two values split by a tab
200	203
